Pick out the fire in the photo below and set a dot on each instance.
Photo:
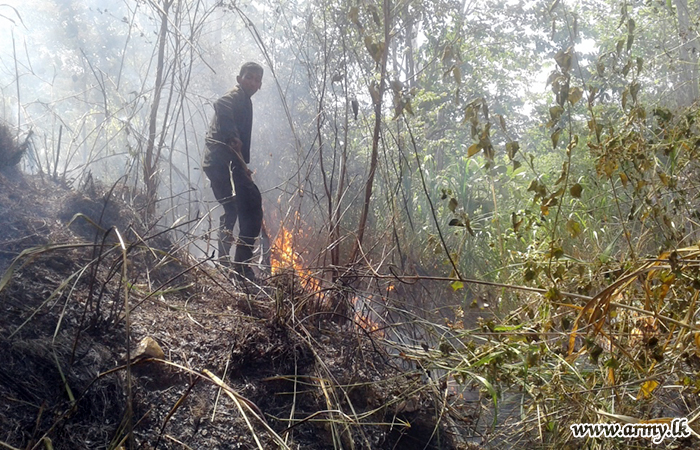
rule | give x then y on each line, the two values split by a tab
283	254
285	257
365	320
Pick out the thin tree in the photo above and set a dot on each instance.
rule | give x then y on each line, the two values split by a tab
377	98
152	153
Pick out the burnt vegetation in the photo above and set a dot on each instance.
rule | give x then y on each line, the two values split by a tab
74	375
10	151
481	225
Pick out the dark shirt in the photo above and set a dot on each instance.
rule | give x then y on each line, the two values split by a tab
233	118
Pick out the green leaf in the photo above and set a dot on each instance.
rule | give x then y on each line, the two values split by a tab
507	328
564	59
489	357
529	275
511	149
552	294
612	363
640	113
452	204
635	87
468	226
515	221
594	353
564	173
576	190
624	179
447	53
600	68
556	253
470	115
620	45
368	43
592	92
572	144
595	127
574	228
375	15
575	94
374	93
457	285
555	138
492	391
555	113
375	50
502	122
398	109
457	74
354	16
626	69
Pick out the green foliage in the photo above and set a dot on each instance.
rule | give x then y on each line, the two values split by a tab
607	238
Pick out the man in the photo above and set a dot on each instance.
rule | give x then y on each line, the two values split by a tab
225	163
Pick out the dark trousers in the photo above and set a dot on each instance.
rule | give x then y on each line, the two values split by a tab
244	204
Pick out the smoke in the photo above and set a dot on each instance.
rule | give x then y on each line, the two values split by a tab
81	76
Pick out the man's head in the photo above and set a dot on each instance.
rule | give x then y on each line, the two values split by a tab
250	77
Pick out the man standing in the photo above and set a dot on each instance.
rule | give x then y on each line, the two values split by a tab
225	163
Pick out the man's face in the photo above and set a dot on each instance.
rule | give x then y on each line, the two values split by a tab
250	81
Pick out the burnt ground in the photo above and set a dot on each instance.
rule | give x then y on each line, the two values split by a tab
66	377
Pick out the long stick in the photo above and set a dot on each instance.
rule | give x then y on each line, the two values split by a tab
19	103
58	152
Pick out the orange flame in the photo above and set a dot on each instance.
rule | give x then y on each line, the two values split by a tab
285	257
365	320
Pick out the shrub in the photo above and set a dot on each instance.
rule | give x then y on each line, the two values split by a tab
10	152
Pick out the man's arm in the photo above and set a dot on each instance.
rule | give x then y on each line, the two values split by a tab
238	161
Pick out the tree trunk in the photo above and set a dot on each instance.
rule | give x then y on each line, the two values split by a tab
152	156
375	137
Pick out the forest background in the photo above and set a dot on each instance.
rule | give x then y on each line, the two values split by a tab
532	163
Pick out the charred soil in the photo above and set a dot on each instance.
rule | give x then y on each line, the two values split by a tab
72	373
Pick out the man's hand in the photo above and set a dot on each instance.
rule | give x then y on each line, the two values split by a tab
237	145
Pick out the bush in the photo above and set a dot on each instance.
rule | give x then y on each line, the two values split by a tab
10	152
